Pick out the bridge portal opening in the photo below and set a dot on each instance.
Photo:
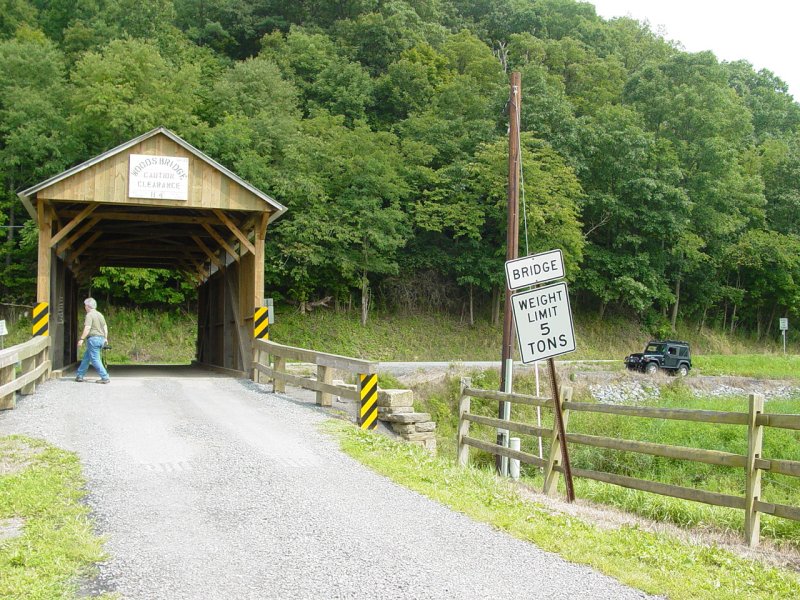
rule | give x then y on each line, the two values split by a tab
154	202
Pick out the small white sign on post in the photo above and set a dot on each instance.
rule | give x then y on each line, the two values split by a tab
784	324
537	268
3	330
543	320
163	177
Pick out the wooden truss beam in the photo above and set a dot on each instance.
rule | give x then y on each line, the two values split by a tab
235	230
221	241
77	220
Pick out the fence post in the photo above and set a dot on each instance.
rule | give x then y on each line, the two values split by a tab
463	425
550	474
324	375
279	385
755	440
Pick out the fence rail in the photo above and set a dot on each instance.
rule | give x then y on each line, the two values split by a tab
323	383
752	464
35	366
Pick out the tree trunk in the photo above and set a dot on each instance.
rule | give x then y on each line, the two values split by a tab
495	306
602	310
471	307
733	319
758	324
725	316
771	318
674	319
10	234
703	319
364	300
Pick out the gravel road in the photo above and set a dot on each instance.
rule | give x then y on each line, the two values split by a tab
213	488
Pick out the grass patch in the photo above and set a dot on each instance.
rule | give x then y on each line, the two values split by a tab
769	366
656	564
41	487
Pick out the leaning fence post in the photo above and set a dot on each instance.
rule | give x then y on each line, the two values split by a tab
755	440
464	402
550	474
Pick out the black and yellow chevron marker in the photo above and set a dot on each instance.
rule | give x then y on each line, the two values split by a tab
261	323
368	391
41	319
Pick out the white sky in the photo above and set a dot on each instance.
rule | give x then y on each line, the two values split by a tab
763	32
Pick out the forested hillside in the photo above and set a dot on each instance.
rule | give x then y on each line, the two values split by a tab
670	180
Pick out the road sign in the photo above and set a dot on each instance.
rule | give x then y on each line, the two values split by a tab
537	268
784	324
3	330
543	320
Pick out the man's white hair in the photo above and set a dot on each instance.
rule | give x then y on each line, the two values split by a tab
91	303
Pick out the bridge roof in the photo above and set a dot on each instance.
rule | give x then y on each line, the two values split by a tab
104	178
155	201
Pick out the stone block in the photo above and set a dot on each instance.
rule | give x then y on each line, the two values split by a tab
425	426
420	437
407	417
404	428
384	412
395	398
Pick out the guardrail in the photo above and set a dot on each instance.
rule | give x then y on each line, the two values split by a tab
366	391
753	464
35	363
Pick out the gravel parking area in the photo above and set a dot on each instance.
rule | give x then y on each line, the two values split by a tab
212	488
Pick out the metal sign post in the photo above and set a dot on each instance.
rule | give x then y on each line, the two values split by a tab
784	325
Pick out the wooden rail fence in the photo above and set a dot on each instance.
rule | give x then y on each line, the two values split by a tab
752	464
35	367
326	364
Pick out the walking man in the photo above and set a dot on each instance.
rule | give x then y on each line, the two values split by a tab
95	334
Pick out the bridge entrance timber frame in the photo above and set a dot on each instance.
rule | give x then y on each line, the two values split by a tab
88	220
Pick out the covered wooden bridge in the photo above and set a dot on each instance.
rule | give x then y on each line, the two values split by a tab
154	201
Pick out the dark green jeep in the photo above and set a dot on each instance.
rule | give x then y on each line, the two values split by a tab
671	355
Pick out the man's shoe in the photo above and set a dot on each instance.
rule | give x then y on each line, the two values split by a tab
80	379
103	381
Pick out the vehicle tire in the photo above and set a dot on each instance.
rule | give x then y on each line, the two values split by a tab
651	368
683	370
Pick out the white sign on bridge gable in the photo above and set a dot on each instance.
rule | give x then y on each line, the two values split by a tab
163	177
537	268
543	320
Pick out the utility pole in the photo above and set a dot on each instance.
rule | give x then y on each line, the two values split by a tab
512	251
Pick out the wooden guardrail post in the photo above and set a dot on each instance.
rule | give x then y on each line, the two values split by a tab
8	401
324	375
279	385
755	441
29	364
555	458
464	402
